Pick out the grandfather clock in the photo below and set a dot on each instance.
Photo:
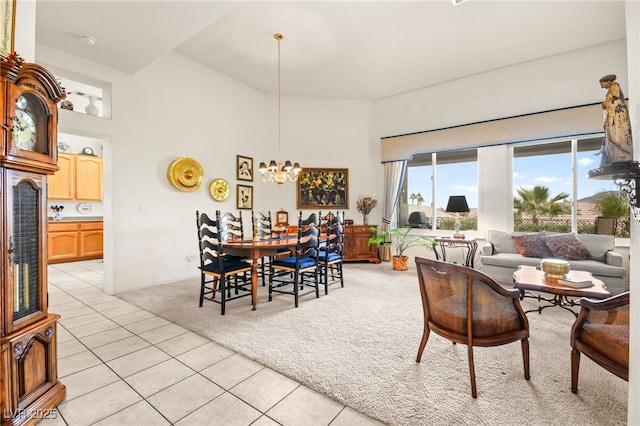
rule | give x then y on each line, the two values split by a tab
29	386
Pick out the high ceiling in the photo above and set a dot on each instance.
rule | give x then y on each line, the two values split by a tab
333	49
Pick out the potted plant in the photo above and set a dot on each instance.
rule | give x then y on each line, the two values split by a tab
400	241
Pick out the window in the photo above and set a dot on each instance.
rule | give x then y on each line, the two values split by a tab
551	188
430	180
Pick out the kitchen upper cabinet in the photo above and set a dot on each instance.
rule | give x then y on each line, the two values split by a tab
79	178
62	185
88	178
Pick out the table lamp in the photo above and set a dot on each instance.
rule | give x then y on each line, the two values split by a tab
457	204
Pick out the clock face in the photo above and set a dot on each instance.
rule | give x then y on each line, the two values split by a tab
30	130
27	132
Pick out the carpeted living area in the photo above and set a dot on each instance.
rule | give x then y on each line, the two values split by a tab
358	346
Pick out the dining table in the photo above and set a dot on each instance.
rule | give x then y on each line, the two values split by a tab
255	250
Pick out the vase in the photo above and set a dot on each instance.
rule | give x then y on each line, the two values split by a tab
365	219
400	263
92	109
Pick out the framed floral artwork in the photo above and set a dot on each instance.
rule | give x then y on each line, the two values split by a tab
318	188
244	167
245	197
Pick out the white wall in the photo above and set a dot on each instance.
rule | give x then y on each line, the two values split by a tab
554	82
632	12
177	108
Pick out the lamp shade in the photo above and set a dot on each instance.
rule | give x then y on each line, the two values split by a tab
457	204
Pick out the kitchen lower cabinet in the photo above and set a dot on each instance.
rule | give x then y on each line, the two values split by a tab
70	241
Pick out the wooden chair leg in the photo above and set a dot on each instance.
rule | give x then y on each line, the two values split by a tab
202	284
214	285
325	271
525	358
472	372
423	343
223	298
575	369
296	286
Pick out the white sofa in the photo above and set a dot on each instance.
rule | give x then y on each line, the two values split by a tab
500	258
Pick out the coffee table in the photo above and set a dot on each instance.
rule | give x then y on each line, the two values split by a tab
533	279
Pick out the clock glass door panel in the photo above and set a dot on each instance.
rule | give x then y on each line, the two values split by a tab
25	209
26	252
30	126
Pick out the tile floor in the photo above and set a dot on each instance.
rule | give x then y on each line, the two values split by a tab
122	365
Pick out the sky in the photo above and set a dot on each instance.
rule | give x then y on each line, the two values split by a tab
552	171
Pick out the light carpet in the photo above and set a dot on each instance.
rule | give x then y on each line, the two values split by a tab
358	346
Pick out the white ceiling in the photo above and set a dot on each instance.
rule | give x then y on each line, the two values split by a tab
334	49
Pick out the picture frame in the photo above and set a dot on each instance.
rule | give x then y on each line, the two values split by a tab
244	197
7	27
318	188
282	218
244	168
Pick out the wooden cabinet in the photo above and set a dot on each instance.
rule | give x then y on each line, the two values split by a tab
29	385
62	184
356	246
29	365
356	243
88	178
79	178
70	241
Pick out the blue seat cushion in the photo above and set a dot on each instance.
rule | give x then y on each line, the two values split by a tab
332	256
290	262
230	265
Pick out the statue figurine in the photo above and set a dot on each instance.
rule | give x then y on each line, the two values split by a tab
617	145
604	160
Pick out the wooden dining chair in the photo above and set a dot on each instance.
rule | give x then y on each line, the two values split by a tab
601	332
466	306
298	274
331	252
216	268
262	228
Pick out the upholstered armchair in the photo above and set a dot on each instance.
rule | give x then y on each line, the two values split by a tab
601	332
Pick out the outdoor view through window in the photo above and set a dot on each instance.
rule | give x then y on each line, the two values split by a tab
547	178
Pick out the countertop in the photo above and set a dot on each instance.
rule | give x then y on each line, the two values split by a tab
78	219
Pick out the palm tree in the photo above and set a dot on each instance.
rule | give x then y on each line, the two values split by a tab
613	204
416	198
536	203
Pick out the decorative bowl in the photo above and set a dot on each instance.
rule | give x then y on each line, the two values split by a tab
554	268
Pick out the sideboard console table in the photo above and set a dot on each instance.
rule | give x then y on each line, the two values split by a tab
356	243
468	244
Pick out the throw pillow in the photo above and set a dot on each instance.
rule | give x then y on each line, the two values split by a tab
531	245
567	246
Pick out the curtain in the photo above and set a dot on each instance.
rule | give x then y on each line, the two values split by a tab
393	175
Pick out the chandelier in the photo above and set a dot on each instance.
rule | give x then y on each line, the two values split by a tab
277	172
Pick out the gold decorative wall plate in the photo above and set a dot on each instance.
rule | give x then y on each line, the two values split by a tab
219	189
186	174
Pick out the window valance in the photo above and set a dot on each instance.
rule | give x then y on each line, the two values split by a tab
565	123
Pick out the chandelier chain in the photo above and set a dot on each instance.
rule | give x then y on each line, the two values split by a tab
279	37
277	172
